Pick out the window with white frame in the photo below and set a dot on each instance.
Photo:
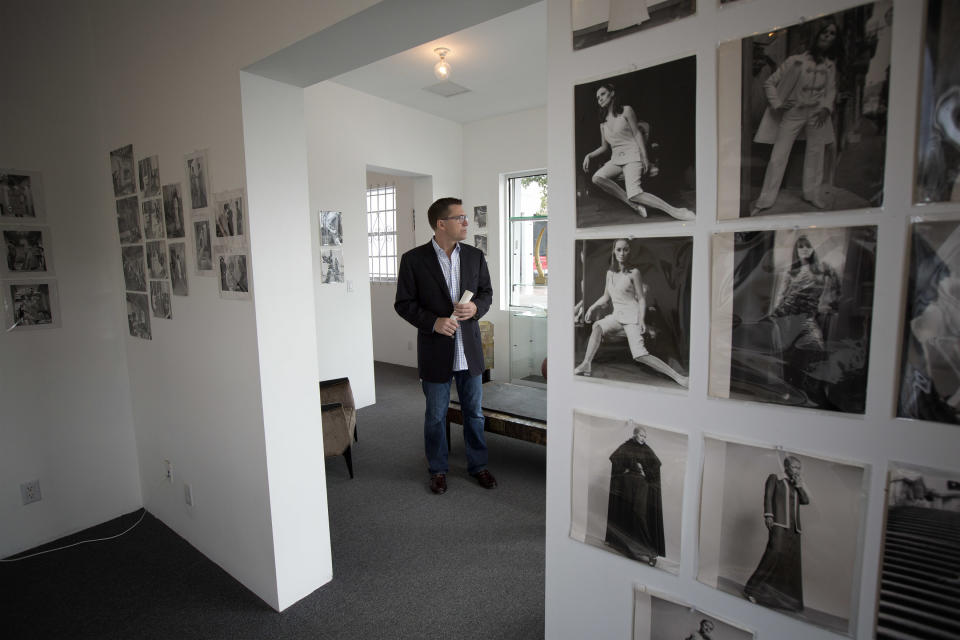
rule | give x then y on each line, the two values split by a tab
382	232
526	200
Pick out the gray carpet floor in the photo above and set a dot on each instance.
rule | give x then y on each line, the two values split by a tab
407	563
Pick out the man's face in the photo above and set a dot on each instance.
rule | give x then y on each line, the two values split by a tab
706	626
452	229
793	468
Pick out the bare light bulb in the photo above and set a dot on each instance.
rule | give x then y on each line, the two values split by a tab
442	68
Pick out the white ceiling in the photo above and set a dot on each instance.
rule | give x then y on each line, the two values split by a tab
502	61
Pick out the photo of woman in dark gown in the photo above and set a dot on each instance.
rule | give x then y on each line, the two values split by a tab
635	507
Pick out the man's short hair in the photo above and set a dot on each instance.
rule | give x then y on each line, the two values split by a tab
439	209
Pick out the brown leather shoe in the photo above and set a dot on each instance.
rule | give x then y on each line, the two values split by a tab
438	483
486	479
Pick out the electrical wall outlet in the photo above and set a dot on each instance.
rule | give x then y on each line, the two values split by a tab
30	492
188	494
168	470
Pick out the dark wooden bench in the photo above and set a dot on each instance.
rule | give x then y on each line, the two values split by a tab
511	410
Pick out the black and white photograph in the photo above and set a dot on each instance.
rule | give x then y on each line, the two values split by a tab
31	305
627	489
918	575
632	311
480	242
662	617
160	301
783	530
231	217
791	316
134	268
635	141
331	228
331	265
938	134
148	172
802	115
173	211
138	316
480	216
597	21
21	196
157	259
930	355
153	226
203	248
178	268
122	170
27	251
198	176
233	270
128	220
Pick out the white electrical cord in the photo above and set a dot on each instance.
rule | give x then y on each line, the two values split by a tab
40	553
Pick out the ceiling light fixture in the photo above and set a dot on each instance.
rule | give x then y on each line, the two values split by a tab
442	68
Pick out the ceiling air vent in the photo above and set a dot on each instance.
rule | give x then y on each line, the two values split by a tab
446	89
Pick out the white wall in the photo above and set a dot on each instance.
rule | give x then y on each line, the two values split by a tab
588	591
66	417
492	147
382	134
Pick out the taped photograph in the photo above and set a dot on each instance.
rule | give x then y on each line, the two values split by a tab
783	530
627	489
331	228
632	312
121	168
198	176
635	141
153	226
138	316
128	220
178	268
149	176
331	265
597	21
662	617
157	259
938	131
30	305
234	275
802	115
173	211
27	252
134	268
21	196
231	217
930	356
203	248
920	565
791	313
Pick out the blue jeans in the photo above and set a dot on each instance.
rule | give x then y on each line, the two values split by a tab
470	390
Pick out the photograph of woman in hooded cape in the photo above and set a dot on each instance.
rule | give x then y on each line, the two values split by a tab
635	508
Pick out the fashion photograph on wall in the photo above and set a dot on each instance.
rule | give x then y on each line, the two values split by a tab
160	301
791	312
149	176
918	576
27	251
198	177
128	220
31	305
173	210
597	21
138	316
232	267
635	141
661	617
938	134
783	530
203	247
930	356
480	242
331	265
480	216
230	217
21	196
627	489
802	115
632	312
153	225
331	228
122	171
178	268
134	268
157	259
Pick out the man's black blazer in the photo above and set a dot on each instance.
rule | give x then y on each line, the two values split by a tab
423	296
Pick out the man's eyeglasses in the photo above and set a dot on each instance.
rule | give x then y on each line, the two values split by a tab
461	219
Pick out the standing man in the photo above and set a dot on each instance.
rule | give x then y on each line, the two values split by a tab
430	282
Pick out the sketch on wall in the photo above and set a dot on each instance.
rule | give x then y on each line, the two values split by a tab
938	134
198	177
791	316
31	304
802	115
21	196
203	248
230	218
627	489
636	147
160	301
632	311
930	356
660	617
331	228
173	210
783	530
121	168
480	216
233	269
597	21
178	268
138	316
134	268
331	265
153	226
149	176
128	220
27	251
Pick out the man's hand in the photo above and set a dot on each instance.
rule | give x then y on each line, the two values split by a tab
768	521
464	311
446	326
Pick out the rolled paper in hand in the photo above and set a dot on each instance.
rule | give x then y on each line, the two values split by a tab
464	299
